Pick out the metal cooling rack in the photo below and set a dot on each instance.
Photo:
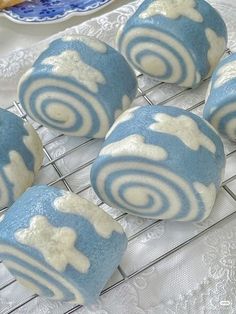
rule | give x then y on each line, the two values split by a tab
149	92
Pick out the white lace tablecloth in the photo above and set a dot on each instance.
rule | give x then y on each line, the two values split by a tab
199	277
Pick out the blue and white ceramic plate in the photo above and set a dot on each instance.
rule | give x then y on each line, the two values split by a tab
40	11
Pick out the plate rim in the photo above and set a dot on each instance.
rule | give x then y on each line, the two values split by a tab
57	18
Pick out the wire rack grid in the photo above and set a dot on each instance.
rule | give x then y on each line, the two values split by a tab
63	172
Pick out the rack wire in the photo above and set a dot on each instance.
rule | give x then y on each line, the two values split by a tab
148	92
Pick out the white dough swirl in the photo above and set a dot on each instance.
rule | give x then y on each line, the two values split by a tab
226	112
147	190
55	103
21	263
158	54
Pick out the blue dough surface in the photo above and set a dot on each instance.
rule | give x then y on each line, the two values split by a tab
59	245
160	162
79	86
220	107
21	157
174	41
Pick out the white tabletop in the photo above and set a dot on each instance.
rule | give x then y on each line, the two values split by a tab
17	36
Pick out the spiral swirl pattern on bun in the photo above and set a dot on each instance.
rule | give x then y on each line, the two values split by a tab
60	246
79	85
178	41
21	156
167	164
220	108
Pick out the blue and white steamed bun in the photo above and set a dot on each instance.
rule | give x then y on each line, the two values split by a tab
174	41
59	245
79	86
220	107
21	155
160	162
